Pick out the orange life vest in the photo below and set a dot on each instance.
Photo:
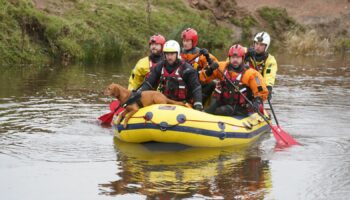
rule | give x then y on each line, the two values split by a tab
226	94
194	61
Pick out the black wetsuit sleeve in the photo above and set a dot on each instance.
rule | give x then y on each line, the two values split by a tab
191	79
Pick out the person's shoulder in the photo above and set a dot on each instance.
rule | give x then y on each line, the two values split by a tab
186	67
223	64
270	57
250	71
159	65
146	58
143	60
158	68
270	61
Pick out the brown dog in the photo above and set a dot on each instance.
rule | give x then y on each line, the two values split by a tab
147	98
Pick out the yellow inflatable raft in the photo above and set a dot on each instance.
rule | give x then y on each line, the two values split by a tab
178	124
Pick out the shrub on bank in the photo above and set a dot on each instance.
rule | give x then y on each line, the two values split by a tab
306	43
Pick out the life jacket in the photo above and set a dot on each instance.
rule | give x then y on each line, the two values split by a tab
226	94
151	66
172	85
258	65
194	58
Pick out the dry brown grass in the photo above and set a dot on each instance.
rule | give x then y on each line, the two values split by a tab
307	43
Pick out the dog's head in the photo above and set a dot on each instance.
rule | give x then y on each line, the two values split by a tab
113	90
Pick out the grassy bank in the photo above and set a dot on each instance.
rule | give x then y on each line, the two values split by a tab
66	31
275	21
95	30
296	38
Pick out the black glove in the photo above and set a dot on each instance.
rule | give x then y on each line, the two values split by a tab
209	71
250	54
214	65
204	52
270	92
198	106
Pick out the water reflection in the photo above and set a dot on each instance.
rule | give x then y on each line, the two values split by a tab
173	171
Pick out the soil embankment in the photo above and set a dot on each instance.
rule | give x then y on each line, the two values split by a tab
324	21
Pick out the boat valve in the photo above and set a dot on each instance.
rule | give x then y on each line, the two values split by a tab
181	118
222	128
163	126
221	125
148	116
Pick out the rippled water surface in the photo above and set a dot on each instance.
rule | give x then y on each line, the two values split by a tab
53	147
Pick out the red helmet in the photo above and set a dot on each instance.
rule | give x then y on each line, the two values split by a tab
190	34
158	39
236	50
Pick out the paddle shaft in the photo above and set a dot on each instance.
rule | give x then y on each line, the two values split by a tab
282	137
256	110
273	112
237	89
268	100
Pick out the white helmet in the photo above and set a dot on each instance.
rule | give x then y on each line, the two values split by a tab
264	38
172	46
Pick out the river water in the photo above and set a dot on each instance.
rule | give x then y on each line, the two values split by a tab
52	146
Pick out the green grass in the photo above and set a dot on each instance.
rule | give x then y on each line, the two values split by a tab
342	44
102	31
96	30
246	23
278	19
278	24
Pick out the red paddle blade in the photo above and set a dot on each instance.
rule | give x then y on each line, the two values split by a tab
107	118
114	104
282	137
